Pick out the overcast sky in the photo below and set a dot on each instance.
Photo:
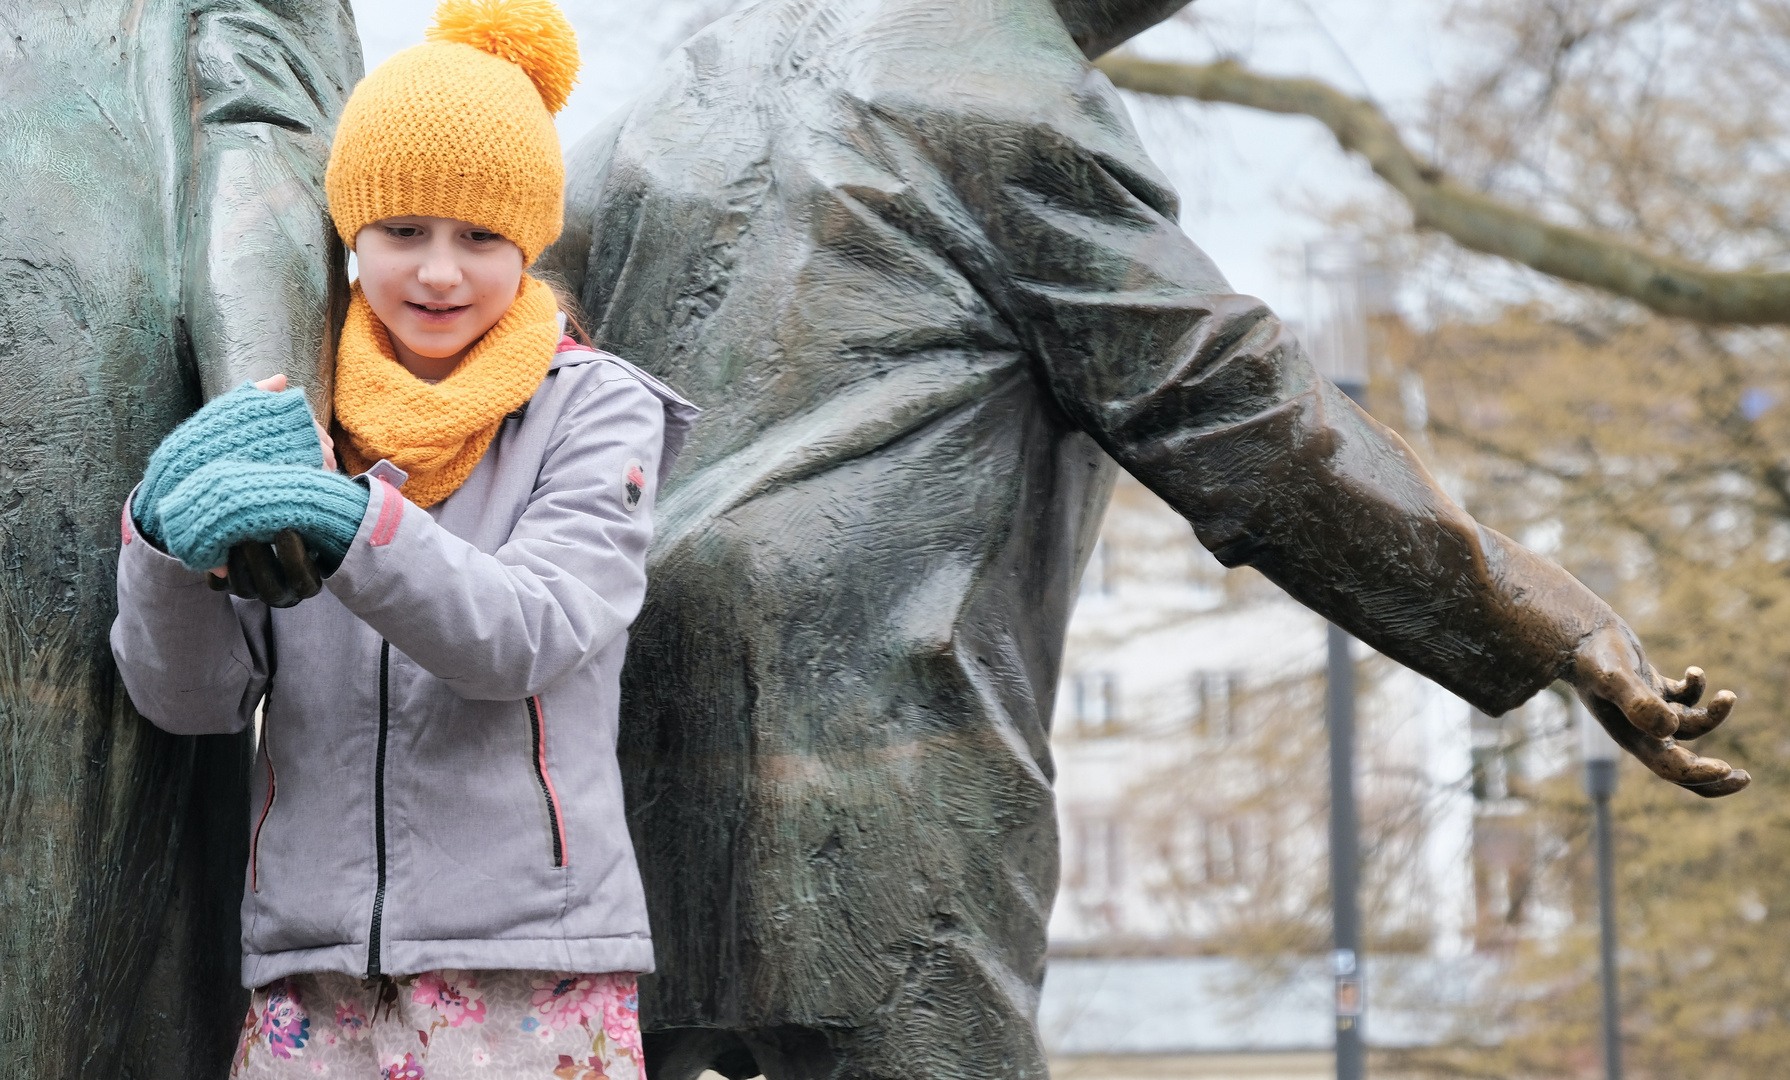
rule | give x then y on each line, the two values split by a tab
1248	181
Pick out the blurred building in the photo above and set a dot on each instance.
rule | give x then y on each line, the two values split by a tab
1191	786
1193	912
1193	916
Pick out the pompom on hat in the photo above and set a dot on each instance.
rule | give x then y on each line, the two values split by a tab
461	126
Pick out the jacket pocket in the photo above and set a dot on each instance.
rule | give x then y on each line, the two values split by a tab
537	726
261	818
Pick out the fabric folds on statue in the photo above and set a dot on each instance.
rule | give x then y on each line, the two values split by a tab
437	432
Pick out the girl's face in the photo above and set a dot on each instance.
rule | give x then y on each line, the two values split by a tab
437	284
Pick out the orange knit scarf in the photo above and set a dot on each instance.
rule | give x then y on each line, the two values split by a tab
437	433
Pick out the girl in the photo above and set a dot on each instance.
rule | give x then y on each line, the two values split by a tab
440	875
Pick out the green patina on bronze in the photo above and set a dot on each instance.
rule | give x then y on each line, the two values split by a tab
912	261
162	238
911	258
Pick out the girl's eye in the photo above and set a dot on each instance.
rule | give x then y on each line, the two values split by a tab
479	237
402	232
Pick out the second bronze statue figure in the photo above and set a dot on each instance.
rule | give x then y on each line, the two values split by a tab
912	261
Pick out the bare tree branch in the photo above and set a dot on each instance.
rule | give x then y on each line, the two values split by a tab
1667	285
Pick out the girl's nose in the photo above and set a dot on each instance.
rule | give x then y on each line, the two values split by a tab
439	270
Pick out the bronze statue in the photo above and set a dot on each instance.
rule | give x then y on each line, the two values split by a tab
162	237
910	258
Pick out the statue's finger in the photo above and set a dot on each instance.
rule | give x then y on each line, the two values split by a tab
236	570
1699	722
264	569
1685	691
1728	785
1637	702
296	564
1672	762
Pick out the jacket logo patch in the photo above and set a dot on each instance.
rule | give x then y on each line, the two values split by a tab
633	484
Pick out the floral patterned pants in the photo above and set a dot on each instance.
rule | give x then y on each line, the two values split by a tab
444	1025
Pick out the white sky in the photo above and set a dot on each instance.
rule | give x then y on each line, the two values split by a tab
1248	181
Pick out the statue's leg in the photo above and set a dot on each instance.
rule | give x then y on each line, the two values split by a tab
979	1040
955	1013
686	1053
190	1002
119	843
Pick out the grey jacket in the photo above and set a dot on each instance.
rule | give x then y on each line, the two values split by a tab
436	783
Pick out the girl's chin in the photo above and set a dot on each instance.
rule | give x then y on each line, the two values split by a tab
431	346
439	340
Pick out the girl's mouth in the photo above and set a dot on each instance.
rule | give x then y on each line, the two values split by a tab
436	313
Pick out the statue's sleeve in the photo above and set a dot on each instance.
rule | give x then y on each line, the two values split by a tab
1204	396
264	281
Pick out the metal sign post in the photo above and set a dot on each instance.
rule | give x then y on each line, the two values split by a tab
1599	752
1345	959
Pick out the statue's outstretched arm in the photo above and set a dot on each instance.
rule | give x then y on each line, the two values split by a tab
1203	395
264	284
1280	471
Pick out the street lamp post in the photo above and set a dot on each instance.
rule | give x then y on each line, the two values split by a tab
1338	300
1599	752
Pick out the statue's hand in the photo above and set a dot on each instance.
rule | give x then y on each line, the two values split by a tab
1647	714
279	574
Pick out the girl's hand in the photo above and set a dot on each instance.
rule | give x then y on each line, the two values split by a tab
291	556
276	384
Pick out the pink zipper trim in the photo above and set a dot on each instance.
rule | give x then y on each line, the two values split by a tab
561	857
272	789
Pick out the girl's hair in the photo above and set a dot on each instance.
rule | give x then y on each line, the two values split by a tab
569	304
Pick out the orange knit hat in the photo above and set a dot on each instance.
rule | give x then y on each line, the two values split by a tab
462	126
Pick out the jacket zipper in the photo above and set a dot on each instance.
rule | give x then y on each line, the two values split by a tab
385	666
255	841
537	724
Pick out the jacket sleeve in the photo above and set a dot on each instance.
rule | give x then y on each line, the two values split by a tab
194	660
265	279
567	582
1205	397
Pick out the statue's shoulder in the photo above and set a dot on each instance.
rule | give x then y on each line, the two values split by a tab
944	52
991	88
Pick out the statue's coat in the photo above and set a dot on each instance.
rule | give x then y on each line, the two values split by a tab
162	235
912	261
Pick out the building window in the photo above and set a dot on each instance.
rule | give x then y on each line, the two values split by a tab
1491	774
1215	695
1235	849
1097	576
1094	696
1098	866
1226	843
1497	756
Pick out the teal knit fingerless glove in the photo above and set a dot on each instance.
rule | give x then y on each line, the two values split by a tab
244	425
228	502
